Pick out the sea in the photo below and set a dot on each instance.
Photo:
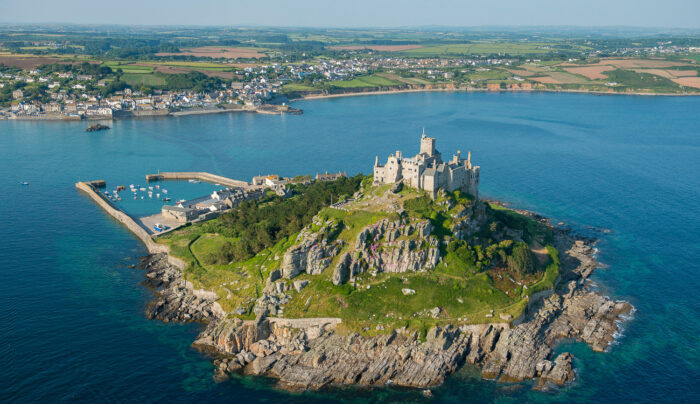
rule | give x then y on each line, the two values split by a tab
625	169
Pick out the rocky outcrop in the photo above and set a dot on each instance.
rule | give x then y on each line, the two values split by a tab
313	252
524	351
306	355
469	220
390	246
176	299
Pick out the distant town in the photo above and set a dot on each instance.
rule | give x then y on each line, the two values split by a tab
78	76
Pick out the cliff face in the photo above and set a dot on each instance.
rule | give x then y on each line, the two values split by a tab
387	246
176	299
313	253
313	354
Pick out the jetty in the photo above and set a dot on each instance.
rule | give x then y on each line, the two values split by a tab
142	227
198	175
127	220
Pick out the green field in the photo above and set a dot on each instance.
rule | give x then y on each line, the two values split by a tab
628	79
148	79
365	81
509	48
297	87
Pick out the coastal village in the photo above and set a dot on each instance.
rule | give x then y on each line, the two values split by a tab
81	96
267	87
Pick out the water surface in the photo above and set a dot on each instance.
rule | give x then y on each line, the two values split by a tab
72	311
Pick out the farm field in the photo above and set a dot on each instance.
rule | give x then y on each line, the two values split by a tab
381	48
374	80
219	52
510	48
136	79
591	72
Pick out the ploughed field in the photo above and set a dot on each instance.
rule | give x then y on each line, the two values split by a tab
384	258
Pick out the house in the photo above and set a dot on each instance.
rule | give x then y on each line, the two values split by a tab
179	213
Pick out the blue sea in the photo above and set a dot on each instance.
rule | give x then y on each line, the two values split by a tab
72	324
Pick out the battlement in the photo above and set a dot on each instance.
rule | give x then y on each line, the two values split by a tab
426	170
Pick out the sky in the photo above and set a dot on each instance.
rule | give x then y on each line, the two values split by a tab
358	13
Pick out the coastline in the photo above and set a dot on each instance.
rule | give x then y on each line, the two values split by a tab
484	90
265	109
274	109
309	353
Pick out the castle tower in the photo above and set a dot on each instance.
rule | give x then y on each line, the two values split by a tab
469	159
427	144
376	161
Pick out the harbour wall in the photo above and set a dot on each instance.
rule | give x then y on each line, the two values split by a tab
129	222
197	175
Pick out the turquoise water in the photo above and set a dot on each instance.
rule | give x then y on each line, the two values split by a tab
72	327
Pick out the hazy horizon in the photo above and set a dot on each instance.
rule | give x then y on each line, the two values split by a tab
392	14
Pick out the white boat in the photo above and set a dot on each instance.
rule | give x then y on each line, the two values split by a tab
157	195
165	191
150	188
142	189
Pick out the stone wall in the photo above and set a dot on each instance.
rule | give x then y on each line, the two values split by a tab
198	175
130	223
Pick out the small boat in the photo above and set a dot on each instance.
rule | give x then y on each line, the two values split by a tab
134	198
157	195
166	199
142	197
165	191
194	181
217	185
142	189
150	188
157	186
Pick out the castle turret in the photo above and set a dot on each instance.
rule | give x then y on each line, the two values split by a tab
427	145
376	161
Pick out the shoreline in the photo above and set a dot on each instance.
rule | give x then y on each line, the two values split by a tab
271	109
276	110
484	90
308	353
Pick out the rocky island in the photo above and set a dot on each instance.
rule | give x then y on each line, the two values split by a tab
95	127
407	278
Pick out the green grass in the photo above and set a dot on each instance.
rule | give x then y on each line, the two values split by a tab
550	275
137	80
464	292
510	48
365	81
297	87
628	79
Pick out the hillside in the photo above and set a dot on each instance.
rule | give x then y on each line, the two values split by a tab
386	257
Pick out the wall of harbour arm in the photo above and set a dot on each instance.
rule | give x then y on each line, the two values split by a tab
197	175
129	222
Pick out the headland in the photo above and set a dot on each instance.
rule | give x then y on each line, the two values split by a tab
398	278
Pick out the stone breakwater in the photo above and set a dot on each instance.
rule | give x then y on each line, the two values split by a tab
311	353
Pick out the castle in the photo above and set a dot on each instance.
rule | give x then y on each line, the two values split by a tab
427	171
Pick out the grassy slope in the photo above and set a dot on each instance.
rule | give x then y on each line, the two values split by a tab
376	304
